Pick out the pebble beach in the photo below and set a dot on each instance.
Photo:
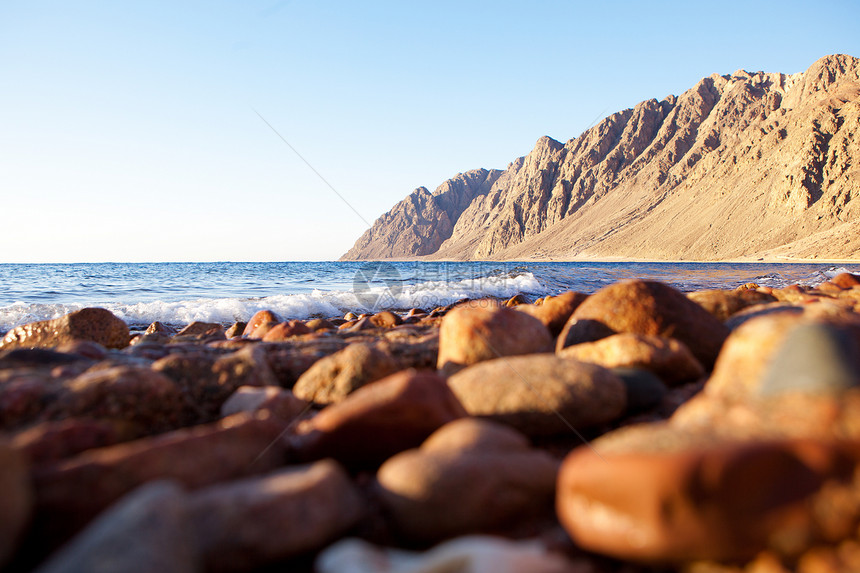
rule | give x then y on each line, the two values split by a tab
635	428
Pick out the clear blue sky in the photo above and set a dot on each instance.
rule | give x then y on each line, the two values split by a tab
128	130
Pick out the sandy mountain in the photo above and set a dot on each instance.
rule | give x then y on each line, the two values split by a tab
745	165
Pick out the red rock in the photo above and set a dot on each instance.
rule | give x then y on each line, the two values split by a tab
469	476
378	420
133	394
648	307
286	330
22	398
720	502
16	500
260	317
554	311
235	447
281	403
96	324
246	524
54	441
472	333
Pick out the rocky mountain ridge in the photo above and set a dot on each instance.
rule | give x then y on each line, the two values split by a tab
745	165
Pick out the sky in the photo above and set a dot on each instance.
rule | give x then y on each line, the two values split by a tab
272	130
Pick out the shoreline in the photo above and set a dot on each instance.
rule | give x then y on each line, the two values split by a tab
334	422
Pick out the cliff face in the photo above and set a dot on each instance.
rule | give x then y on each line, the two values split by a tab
741	165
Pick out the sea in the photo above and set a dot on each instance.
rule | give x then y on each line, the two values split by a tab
225	292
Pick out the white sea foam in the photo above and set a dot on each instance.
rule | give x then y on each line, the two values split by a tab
304	305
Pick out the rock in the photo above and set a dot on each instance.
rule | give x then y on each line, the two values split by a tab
581	331
318	324
201	331
385	319
516	300
207	381
96	324
469	554
540	395
722	304
281	403
649	307
85	349
554	311
378	420
23	398
668	358
644	389
147	530
846	280
236	329
196	457
249	523
16	500
38	358
717	502
286	330
160	328
50	442
760	310
289	362
747	355
133	394
815	359
261	330
332	378
471	334
505	481
260	317
350	316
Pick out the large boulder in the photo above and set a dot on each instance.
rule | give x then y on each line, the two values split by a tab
654	308
472	333
379	420
469	476
540	394
654	494
95	324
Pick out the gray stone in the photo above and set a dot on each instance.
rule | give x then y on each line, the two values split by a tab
145	531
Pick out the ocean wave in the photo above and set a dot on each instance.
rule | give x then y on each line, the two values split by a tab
373	296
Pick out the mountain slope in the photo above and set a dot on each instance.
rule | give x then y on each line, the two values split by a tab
741	165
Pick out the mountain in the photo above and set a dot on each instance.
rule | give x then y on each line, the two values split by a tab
747	165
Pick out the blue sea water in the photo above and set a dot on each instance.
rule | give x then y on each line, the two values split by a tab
179	293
